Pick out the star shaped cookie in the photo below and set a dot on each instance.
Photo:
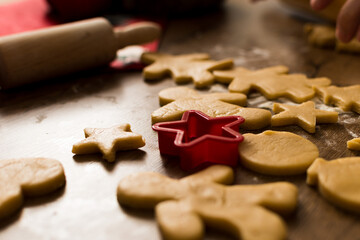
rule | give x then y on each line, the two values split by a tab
108	141
272	82
181	99
184	206
304	115
194	67
346	98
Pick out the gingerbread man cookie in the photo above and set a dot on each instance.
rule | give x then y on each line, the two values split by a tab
277	153
324	36
338	181
28	177
354	144
272	82
183	206
181	99
183	68
304	115
346	98
108	141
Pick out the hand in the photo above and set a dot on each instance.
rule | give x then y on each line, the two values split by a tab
348	21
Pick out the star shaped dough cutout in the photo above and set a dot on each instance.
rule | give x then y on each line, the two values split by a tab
181	99
304	115
346	98
272	82
194	67
108	141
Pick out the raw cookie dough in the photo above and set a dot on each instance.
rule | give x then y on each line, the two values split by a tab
346	98
277	153
354	144
324	36
183	206
273	82
108	141
181	99
183	68
304	115
338	181
27	177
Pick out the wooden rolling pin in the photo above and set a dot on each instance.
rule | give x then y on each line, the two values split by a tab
56	51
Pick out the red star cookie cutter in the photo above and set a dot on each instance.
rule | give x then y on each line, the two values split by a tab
200	140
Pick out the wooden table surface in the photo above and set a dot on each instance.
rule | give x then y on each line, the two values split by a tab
46	119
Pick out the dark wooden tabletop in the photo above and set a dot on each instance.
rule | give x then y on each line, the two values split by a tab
46	119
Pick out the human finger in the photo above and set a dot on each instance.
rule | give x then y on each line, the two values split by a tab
348	21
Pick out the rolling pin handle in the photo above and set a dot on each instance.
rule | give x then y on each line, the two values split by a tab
137	33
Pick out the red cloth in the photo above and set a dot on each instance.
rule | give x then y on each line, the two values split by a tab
23	16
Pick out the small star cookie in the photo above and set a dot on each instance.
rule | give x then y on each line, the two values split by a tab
304	115
346	98
277	153
183	206
28	177
108	141
183	68
272	82
338	181
181	99
324	36
354	144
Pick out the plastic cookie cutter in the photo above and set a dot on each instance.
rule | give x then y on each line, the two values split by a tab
200	140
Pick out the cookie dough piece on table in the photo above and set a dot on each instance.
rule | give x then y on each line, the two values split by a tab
182	207
181	99
324	36
273	82
108	141
354	144
27	177
338	181
346	98
304	115
194	67
277	153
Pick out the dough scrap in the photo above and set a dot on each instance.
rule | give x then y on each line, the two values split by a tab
183	68
181	99
183	206
304	115
338	181
354	144
277	153
27	177
273	82
324	36
346	98
108	141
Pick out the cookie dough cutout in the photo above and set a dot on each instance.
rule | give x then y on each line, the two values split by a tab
108	141
304	115
27	177
324	36
277	153
273	82
346	98
338	181
181	99
194	67
183	206
354	144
